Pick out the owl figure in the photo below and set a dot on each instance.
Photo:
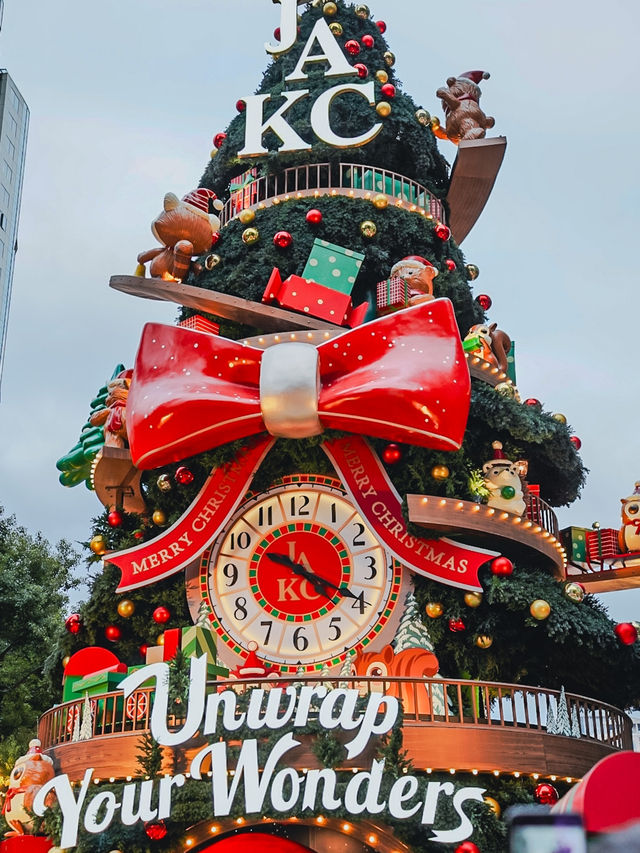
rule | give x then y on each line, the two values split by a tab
30	773
629	535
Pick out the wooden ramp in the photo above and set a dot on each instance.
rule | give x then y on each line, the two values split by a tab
472	178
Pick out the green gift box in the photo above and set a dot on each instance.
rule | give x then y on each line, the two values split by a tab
574	540
97	683
382	182
471	344
332	265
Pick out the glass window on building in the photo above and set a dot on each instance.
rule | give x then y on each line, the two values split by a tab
4	198
7	172
14	100
13	126
11	148
1	249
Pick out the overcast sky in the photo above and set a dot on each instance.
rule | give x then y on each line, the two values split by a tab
125	97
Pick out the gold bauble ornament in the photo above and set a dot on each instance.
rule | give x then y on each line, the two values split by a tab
250	236
214	153
435	122
368	229
540	609
98	545
473	599
336	28
330	8
389	58
484	641
247	216
160	640
382	77
440	472
506	389
574	592
383	109
159	518
362	11
210	263
423	117
126	608
65	661
558	416
494	805
380	201
433	609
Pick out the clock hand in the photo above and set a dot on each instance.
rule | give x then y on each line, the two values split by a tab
312	577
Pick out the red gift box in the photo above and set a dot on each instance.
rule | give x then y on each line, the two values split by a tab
244	190
198	323
602	543
308	297
392	295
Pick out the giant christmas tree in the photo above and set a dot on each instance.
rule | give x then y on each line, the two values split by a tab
334	423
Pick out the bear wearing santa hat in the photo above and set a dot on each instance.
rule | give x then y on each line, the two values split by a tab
461	105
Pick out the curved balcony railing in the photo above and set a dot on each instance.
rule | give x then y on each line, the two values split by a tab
354	180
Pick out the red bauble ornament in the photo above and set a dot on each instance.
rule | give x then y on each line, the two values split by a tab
467	847
112	633
183	475
368	40
576	442
138	534
531	401
156	829
626	633
502	567
73	623
362	69
456	625
546	794
388	90
442	231
282	239
381	26
218	140
484	301
241	106
450	265
215	238
161	615
277	33
352	47
314	216
392	454
143	650
115	518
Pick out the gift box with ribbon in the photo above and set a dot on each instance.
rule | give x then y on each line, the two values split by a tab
333	266
392	295
602	544
313	299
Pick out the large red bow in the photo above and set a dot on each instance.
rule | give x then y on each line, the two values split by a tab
402	377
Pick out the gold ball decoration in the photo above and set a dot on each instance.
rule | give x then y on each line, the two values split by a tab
247	216
126	608
330	9
214	153
433	609
423	117
435	122
160	639
473	599
159	518
368	229
506	389
389	58
336	28
494	805
440	472
362	11
65	661
210	263
558	416
380	201
98	545
484	641
250	236
382	77
574	592
384	109
540	609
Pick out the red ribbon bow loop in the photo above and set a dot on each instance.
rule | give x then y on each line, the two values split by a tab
402	377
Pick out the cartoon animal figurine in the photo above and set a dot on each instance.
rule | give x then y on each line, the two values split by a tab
629	535
410	663
29	774
113	417
185	228
461	104
419	273
503	482
494	343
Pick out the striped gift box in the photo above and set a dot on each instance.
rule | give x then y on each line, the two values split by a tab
198	323
392	295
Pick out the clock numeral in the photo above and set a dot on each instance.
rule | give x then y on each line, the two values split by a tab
304	503
230	571
300	642
359	603
372	565
357	542
268	626
240	612
242	540
334	513
268	514
334	624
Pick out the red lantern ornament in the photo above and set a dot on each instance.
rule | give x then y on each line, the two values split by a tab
546	794
442	231
535	404
161	615
156	829
456	625
362	70
626	633
73	623
183	476
467	847
218	140
143	650
282	239
484	301
115	518
576	442
392	454
112	633
388	90
241	106
352	47
381	26
450	265
314	216
367	41
502	567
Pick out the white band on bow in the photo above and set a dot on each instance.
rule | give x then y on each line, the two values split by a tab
289	389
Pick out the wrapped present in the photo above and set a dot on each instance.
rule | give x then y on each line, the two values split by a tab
313	299
333	266
100	682
472	344
198	323
385	182
574	540
197	641
602	543
243	190
392	295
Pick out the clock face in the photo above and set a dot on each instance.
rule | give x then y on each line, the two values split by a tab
299	573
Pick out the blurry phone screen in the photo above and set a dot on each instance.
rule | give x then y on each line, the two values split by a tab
548	833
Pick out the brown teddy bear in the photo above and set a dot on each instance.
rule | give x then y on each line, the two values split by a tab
461	104
185	228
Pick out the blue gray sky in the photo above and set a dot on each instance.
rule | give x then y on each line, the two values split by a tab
125	97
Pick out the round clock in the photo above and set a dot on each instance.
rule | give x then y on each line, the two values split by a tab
299	573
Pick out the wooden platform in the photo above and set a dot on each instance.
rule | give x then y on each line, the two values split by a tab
472	178
621	574
116	480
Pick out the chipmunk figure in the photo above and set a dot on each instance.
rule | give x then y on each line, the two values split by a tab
461	104
29	774
494	344
629	534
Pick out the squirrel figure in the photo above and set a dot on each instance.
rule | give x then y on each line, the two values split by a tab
29	774
495	343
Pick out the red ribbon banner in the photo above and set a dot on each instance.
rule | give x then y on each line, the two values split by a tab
372	492
197	527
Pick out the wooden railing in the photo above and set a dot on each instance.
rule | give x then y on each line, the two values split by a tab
426	702
541	513
346	179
